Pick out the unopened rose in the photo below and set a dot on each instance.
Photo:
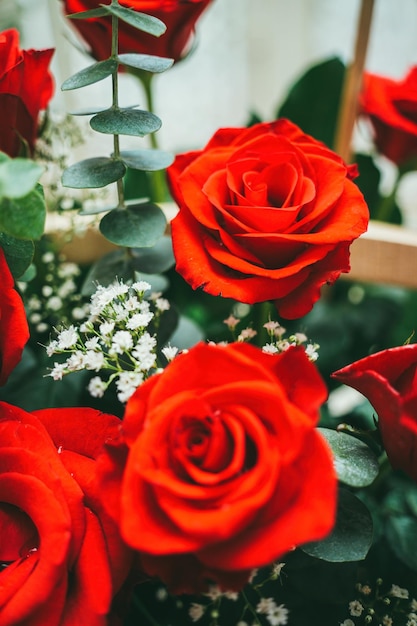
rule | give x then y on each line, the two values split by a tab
391	106
219	468
266	213
26	87
62	557
389	380
179	16
14	330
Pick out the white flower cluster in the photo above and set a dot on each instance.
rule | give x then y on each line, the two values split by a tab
276	615
277	342
58	299
114	338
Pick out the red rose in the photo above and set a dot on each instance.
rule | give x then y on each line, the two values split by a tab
220	468
63	560
391	106
14	331
389	380
266	213
25	89
179	16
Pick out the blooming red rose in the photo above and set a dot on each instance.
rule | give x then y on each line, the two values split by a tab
219	468
63	559
25	89
266	213
179	16
391	106
14	330
389	380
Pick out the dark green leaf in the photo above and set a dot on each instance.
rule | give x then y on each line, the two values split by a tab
138	226
96	110
96	172
147	160
126	122
157	259
156	281
18	252
313	101
85	15
105	271
401	532
18	177
355	463
146	62
141	21
187	334
29	274
24	218
90	75
351	537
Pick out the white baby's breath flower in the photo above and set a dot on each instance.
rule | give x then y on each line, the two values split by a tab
278	616
169	352
139	320
54	303
196	611
231	322
132	304
141	286
162	304
58	371
106	328
247	333
127	383
265	605
94	360
311	351
78	313
67	338
47	291
76	361
399	592
96	387
356	608
122	341
270	348
93	343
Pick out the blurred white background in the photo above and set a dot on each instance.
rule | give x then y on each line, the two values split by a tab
248	53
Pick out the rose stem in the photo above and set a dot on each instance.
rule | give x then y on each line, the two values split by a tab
352	84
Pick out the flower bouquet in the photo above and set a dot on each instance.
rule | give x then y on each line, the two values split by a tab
170	453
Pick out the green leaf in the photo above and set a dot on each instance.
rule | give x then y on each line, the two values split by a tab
86	15
157	282
351	537
105	270
355	463
24	218
313	101
101	110
18	252
126	122
90	75
401	532
141	21
146	62
157	259
96	172
138	226
18	177
29	274
147	160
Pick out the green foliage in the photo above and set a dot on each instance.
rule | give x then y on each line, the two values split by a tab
147	160
355	463
126	122
351	537
141	21
136	226
313	101
18	176
145	62
90	75
24	218
18	252
401	531
95	172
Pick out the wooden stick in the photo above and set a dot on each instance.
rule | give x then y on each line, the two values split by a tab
352	84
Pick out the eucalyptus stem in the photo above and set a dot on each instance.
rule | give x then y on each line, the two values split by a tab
115	100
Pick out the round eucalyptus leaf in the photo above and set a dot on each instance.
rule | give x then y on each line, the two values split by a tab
85	15
18	177
351	537
18	252
125	122
105	271
96	110
146	62
157	259
138	226
24	218
141	21
147	160
90	75
355	463
401	532
96	172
